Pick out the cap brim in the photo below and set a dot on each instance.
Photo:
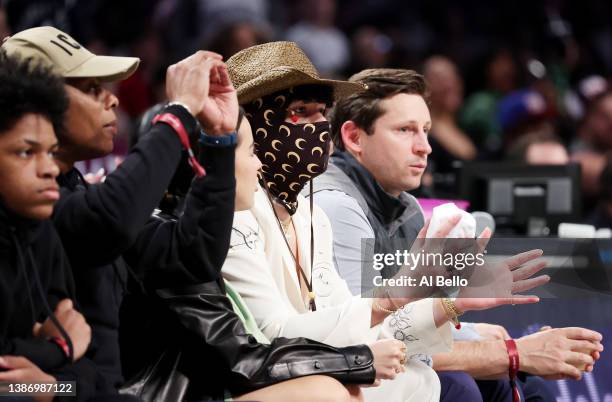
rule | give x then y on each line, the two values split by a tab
283	78
106	68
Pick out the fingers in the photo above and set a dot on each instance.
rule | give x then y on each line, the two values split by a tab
224	79
585	347
569	371
15	375
14	362
522	258
36	329
517	299
63	306
211	68
529	270
423	231
581	333
447	226
528	284
483	239
200	56
579	359
207	54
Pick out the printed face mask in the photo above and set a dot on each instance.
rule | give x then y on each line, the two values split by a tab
291	154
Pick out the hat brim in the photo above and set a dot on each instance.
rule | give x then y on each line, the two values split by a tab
282	78
106	68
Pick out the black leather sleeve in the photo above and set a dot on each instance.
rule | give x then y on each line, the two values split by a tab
205	311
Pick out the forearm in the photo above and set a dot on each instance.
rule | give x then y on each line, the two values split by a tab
480	359
206	225
190	248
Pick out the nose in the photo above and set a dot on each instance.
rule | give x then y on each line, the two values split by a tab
47	167
110	100
258	164
421	144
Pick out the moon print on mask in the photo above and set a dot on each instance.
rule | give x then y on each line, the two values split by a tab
263	131
285	128
308	126
273	144
311	167
266	118
280	99
297	157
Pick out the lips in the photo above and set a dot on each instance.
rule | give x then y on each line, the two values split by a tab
419	165
112	127
50	193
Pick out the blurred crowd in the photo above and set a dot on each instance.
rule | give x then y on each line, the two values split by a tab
524	81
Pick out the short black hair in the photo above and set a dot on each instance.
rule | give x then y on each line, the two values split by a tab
363	108
313	93
28	87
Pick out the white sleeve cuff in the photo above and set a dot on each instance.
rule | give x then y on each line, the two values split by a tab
415	326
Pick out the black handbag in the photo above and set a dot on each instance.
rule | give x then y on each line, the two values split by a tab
162	381
208	351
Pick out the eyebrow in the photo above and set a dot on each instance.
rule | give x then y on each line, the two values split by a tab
412	122
38	144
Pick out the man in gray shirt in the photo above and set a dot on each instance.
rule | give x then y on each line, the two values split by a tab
381	141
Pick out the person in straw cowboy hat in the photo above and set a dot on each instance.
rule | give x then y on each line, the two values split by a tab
280	258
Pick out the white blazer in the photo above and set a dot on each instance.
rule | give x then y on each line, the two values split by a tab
260	267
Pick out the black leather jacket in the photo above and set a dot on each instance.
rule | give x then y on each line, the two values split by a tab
201	350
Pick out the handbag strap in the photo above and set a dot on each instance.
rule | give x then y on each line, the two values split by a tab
311	298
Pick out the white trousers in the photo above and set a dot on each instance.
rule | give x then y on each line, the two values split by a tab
419	383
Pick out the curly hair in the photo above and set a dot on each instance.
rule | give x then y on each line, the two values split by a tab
28	87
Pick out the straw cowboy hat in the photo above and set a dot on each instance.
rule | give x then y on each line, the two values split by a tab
264	69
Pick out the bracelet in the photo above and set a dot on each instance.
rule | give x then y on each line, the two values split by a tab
181	104
61	342
218	141
177	126
383	309
452	312
513	368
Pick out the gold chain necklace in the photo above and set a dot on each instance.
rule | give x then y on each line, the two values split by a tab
286	226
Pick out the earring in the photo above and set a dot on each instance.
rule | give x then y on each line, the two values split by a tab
294	118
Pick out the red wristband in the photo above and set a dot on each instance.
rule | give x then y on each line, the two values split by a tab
61	342
177	126
513	368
